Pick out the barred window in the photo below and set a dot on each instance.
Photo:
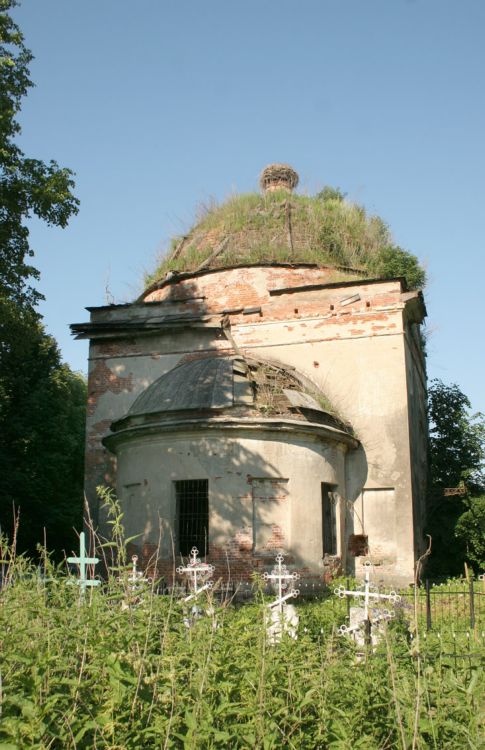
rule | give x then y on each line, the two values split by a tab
192	507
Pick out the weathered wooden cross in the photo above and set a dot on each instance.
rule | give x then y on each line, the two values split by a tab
197	572
83	561
281	578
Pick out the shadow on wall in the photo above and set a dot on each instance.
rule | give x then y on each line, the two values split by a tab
237	478
356	473
249	513
356	540
121	368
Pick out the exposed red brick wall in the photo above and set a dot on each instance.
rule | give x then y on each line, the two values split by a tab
233	563
239	286
277	539
101	379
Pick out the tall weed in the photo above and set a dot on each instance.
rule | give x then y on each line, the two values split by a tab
100	673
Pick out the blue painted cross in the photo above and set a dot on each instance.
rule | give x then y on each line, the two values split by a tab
83	561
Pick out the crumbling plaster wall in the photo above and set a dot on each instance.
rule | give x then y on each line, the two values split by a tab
292	517
118	372
349	340
418	427
365	378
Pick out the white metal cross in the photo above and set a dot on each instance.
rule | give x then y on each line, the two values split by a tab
197	572
368	592
281	578
136	576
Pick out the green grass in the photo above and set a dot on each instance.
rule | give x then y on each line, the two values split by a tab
101	674
325	230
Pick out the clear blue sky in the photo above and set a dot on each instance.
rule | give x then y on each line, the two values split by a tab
159	105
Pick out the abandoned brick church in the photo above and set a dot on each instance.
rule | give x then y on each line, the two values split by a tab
266	392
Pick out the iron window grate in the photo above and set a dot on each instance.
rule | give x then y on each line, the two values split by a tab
192	497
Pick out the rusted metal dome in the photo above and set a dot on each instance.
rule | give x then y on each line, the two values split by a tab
231	384
198	385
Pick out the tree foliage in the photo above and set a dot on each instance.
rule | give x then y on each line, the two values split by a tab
42	416
457	438
41	400
392	261
27	186
456	452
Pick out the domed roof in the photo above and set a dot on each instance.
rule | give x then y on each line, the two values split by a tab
234	385
279	226
202	384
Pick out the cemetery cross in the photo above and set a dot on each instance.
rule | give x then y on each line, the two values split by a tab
83	561
368	594
197	572
281	576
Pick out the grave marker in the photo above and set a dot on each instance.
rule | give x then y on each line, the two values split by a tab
283	616
363	617
83	561
197	572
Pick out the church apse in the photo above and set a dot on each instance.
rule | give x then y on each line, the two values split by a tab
279	391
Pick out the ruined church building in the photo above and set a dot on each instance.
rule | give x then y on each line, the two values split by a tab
258	397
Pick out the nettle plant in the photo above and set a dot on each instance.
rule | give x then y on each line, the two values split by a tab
90	672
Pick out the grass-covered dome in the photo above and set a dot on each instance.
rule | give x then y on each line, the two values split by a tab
278	226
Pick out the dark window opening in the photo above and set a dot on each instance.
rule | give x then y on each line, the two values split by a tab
329	520
358	545
192	498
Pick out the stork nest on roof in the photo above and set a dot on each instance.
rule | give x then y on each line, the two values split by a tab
277	176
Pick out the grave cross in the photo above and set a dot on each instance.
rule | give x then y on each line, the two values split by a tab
135	583
281	577
197	572
83	561
370	595
136	576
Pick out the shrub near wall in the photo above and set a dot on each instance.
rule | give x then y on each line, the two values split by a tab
109	673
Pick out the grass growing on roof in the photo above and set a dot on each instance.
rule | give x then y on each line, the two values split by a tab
325	229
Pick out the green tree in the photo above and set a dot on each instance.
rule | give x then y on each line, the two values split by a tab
42	417
456	453
470	531
27	186
41	400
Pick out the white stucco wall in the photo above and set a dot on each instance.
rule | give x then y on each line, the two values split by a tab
149	466
354	353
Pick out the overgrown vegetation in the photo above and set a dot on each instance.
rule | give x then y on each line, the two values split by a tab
42	423
457	451
41	400
100	674
325	229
